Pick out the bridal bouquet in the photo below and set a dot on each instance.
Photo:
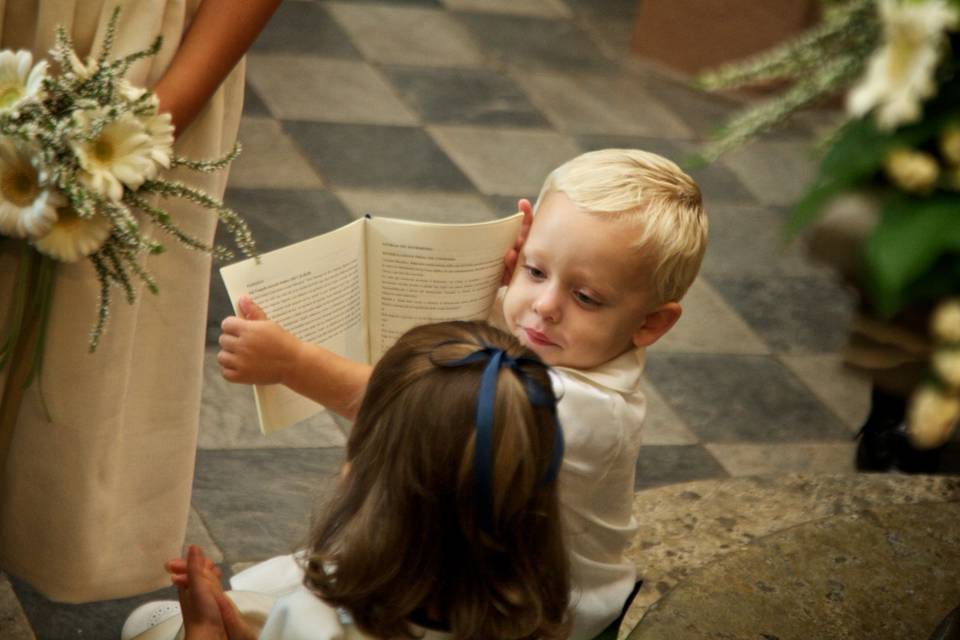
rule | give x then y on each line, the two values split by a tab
80	157
898	149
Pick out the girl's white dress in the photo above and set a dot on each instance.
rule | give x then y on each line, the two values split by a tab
92	503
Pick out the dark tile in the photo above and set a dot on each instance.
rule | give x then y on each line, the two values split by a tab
536	43
93	621
792	314
671	464
277	217
304	28
252	104
620	9
716	182
259	503
377	157
465	96
726	398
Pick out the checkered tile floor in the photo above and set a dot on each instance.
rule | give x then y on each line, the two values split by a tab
451	110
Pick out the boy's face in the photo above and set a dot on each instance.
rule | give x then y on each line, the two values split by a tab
578	296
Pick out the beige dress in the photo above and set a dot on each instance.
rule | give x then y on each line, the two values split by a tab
92	503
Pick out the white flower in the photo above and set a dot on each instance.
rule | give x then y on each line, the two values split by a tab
911	170
900	74
73	237
946	362
27	208
945	322
119	156
19	77
160	129
932	417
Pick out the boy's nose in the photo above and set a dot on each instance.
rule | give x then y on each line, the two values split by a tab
547	305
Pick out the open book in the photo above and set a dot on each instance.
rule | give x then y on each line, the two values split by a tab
356	289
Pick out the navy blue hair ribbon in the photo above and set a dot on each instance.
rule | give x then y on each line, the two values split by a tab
486	402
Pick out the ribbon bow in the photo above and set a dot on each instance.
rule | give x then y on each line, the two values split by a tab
486	401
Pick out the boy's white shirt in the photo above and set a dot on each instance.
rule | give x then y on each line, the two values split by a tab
601	411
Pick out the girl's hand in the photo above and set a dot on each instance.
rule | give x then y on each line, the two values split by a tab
513	254
208	614
254	349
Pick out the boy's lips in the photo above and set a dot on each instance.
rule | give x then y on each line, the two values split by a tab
539	338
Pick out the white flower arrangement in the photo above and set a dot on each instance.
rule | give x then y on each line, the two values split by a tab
899	61
80	159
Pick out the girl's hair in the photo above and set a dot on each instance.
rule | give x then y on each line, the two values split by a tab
405	534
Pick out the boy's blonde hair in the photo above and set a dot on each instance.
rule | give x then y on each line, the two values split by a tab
651	193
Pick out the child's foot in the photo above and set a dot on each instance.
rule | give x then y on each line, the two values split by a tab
157	620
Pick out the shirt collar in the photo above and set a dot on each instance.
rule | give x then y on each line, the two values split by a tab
621	374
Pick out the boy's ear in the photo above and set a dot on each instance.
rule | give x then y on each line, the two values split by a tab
657	323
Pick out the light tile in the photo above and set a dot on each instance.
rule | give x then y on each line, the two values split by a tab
709	325
426	206
777	173
538	8
505	161
809	458
413	36
840	388
302	88
14	620
197	534
592	103
270	160
228	418
767	253
662	426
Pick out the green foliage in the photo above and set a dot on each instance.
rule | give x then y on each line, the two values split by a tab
916	244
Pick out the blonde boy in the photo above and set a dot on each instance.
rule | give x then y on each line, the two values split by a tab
617	238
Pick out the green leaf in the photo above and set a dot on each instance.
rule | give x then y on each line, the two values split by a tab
859	150
915	241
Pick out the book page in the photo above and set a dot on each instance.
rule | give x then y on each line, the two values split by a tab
315	290
421	272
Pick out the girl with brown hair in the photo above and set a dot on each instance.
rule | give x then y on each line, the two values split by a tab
446	522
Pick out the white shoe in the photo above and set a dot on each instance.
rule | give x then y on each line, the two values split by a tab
157	620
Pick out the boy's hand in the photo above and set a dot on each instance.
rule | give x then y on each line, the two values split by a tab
510	260
208	614
254	349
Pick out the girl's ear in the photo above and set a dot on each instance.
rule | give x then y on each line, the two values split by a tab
656	323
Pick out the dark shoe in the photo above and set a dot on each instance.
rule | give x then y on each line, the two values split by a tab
884	444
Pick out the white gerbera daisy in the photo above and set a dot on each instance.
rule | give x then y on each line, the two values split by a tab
27	208
160	129
73	237
119	156
19	77
900	74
